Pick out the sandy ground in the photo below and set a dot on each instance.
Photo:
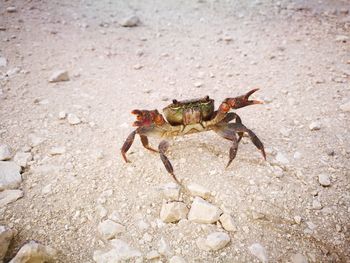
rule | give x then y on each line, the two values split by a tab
294	52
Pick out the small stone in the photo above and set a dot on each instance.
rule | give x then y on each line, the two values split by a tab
138	66
217	240
109	229
5	152
9	196
163	247
173	212
35	140
177	259
6	235
10	176
345	107
316	204
280	158
203	212
341	38
22	158
46	189
228	223
297	219
324	180
62	115
130	21
11	9
298	258
297	155
338	228
153	255
57	150
259	251
13	71
171	191
59	75
3	62
35	252
198	84
315	126
198	190
73	119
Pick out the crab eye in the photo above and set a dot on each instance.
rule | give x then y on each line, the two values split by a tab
175	101
206	98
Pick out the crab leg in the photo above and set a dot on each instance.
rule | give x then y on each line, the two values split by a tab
163	147
145	144
229	134
127	144
233	116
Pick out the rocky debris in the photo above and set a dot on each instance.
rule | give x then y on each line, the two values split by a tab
35	252
198	190
280	158
57	150
259	251
324	180
73	119
10	176
9	196
173	212
228	223
5	152
109	229
11	9
203	212
316	204
3	62
341	38
298	258
171	191
315	126
345	107
120	252
177	259
130	21
22	158
62	115
297	219
217	240
6	235
59	75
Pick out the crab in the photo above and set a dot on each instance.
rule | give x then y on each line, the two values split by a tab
192	116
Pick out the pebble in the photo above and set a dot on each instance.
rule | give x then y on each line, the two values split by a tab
57	150
73	119
217	240
173	212
298	258
9	196
5	152
108	229
6	235
171	191
59	75
297	219
345	107
198	190
203	212
316	204
324	180
62	115
297	155
228	223
259	251
315	126
130	21
3	62
35	140
138	66
341	38
10	176
177	259
35	252
280	158
11	9
198	84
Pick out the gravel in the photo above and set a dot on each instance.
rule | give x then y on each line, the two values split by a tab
203	212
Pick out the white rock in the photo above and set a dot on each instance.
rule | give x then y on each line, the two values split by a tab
6	235
297	219
202	244
203	212
316	204
298	258
341	38
198	190
130	21
115	216
314	126
62	115
280	158
13	71
5	152
23	158
228	223
177	259
217	240
73	119
109	229
198	84
34	252
171	191
11	9
345	107
10	176
324	180
59	75
259	251
3	62
9	196
35	140
57	150
297	155
173	212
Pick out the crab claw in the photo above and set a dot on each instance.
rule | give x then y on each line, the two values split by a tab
147	118
239	102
